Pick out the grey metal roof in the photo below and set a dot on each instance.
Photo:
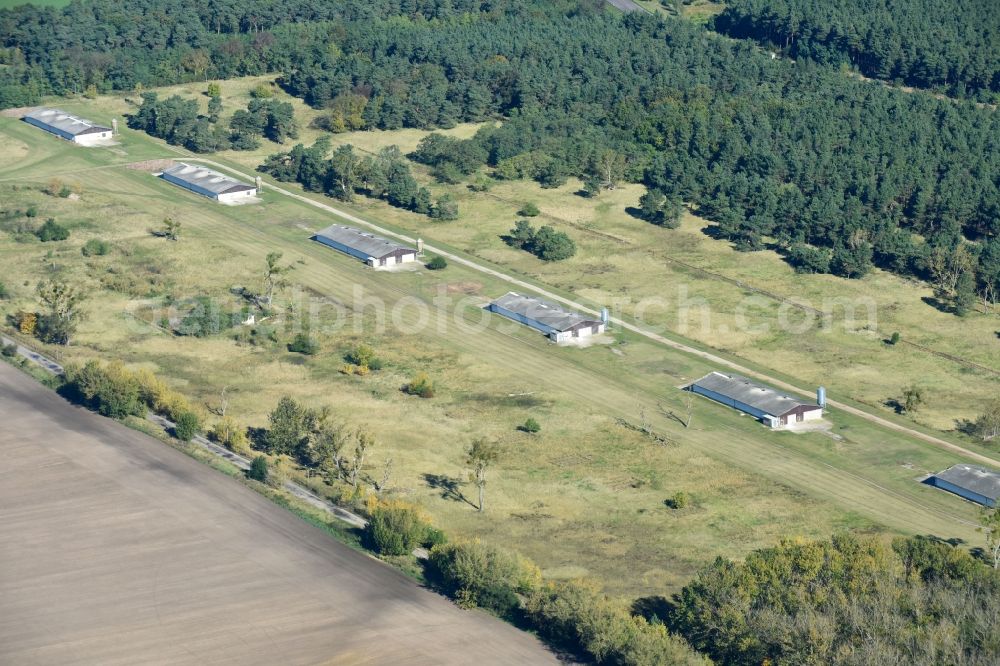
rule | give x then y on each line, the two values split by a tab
362	241
213	181
971	477
66	122
756	395
543	312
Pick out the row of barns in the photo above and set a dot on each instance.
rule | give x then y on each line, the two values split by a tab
769	406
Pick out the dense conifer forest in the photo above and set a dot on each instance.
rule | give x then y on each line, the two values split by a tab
840	174
951	45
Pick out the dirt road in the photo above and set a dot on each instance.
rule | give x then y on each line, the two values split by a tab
117	549
673	344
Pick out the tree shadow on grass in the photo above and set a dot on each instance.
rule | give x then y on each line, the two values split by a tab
450	487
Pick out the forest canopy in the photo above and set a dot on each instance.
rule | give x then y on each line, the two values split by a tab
839	175
952	45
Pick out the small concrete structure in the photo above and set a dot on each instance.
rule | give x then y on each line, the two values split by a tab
369	248
976	484
771	407
558	324
69	127
208	183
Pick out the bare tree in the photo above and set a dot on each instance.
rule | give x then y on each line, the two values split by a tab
989	296
327	449
913	397
386	474
364	441
611	166
947	265
223	406
990	520
688	408
273	276
481	455
987	426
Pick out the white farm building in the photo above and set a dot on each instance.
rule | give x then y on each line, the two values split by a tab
369	248
69	127
558	324
208	183
771	407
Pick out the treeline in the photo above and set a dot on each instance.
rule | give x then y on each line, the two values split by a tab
178	121
837	174
343	173
850	600
950	45
843	175
117	45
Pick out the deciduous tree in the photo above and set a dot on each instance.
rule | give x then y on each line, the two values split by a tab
480	457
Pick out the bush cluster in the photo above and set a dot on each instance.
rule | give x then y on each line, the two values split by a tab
52	231
303	344
113	390
545	243
396	528
95	247
421	385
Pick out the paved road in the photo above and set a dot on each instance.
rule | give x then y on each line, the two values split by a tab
116	549
673	344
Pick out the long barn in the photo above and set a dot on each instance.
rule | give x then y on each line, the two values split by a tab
976	484
369	248
558	324
208	183
67	126
771	407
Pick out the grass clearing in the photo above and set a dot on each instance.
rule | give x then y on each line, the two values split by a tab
583	497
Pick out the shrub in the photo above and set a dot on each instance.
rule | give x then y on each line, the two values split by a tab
678	500
228	433
159	397
434	537
364	355
477	574
95	248
894	338
303	344
206	318
437	263
545	243
531	425
258	469
262	91
10	351
4	293
395	529
529	210
52	231
278	473
421	385
586	622
109	390
186	426
26	322
31	212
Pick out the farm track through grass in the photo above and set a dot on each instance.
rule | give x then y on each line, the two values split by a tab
583	497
